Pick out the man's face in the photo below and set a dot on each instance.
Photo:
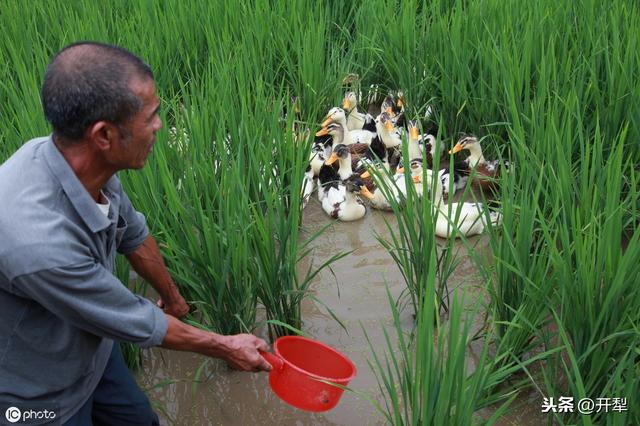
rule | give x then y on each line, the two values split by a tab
139	133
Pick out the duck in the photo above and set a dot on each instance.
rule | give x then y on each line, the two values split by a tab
454	179
384	185
376	182
337	115
336	131
316	160
395	108
428	142
329	176
469	218
486	172
390	136
357	120
341	201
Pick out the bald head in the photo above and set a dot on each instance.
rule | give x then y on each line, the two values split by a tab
88	82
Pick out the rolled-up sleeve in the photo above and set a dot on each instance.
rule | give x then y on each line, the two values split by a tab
136	226
91	298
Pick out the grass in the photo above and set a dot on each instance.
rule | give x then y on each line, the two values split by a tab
553	87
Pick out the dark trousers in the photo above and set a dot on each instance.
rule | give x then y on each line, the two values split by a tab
117	401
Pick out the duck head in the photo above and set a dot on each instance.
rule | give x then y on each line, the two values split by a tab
334	129
388	106
340	152
385	121
415	168
401	102
334	115
466	142
414	133
350	101
357	186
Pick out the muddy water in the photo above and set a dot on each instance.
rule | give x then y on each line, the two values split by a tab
354	289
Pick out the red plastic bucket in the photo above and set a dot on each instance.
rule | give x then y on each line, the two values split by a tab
299	367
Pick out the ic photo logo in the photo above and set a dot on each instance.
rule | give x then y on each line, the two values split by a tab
13	414
27	415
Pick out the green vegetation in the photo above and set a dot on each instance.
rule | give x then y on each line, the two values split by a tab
552	86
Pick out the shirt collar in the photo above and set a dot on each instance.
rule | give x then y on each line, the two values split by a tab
76	192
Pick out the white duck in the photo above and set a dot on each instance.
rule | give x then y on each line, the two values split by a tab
341	201
328	176
356	120
417	142
316	160
394	185
468	218
337	115
388	133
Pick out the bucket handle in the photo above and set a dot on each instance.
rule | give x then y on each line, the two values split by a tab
276	361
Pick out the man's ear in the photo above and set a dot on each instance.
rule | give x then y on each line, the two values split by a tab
102	134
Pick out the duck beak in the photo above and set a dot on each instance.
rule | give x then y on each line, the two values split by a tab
326	122
390	111
365	175
416	179
332	159
322	132
456	149
365	191
346	105
389	126
400	170
413	133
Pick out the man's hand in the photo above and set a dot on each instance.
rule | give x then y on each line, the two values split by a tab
242	352
178	308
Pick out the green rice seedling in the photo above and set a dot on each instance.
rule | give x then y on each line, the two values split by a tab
412	238
517	270
199	208
275	242
424	377
595	283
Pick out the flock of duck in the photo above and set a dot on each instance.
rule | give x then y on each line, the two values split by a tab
357	155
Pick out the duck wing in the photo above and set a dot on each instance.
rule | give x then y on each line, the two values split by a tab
358	149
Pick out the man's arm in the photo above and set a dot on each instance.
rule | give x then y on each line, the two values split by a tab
240	350
147	261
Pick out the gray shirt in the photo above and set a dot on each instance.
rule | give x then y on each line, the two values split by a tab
61	307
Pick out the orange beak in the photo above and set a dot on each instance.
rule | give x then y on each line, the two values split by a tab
322	132
456	149
389	126
365	175
416	179
326	122
400	170
365	191
346	105
413	133
332	159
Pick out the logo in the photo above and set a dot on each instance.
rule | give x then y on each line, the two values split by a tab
13	414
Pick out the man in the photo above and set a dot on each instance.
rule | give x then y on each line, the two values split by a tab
63	216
